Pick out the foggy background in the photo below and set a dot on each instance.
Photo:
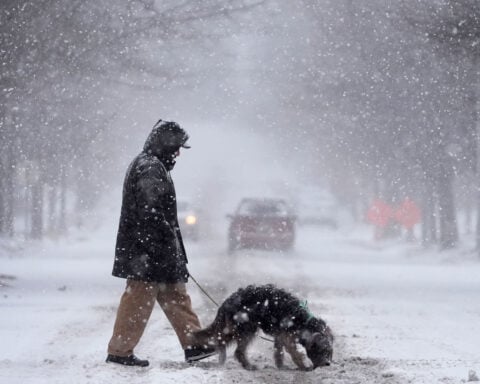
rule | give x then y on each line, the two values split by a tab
365	99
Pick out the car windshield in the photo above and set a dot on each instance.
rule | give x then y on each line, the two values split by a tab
262	208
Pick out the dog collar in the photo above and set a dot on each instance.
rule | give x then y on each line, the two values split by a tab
304	305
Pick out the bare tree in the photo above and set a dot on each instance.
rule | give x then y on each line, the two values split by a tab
61	60
390	105
452	28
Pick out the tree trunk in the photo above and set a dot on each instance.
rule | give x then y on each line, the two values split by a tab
62	224
447	218
2	193
476	118
429	225
52	209
8	200
36	230
7	168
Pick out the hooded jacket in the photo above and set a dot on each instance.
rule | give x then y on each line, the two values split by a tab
149	243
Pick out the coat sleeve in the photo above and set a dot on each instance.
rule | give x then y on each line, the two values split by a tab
156	231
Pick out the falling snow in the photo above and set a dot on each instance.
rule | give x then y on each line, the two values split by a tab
363	116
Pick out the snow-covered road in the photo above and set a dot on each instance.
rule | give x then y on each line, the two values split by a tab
399	314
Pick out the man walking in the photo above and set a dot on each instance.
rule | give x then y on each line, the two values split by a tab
150	253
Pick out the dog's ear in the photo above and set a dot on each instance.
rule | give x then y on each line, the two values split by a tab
316	338
329	334
306	338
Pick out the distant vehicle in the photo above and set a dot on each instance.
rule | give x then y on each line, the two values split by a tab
318	207
188	219
266	223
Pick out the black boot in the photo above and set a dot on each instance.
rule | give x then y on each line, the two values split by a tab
198	353
131	360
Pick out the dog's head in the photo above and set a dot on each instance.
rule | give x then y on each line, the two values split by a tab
319	347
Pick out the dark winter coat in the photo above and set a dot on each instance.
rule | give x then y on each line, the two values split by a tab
149	243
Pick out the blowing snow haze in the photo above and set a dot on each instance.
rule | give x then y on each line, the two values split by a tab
362	115
364	99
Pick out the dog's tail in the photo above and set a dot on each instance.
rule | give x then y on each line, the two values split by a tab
214	334
204	337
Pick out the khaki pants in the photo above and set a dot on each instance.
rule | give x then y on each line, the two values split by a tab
136	306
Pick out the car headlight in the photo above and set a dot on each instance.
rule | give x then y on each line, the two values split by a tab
190	220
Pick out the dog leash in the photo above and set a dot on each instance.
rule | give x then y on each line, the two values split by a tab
214	302
204	291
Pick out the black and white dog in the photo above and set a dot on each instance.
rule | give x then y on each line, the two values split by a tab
277	313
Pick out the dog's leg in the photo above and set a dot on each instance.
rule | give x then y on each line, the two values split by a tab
222	354
240	352
224	339
278	352
297	356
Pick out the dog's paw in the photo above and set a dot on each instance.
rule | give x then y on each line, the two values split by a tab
251	367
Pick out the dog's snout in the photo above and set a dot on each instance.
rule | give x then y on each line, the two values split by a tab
322	364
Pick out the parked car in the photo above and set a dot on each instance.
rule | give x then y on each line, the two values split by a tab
188	219
317	207
261	223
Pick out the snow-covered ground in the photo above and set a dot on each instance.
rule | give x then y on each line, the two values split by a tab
399	314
